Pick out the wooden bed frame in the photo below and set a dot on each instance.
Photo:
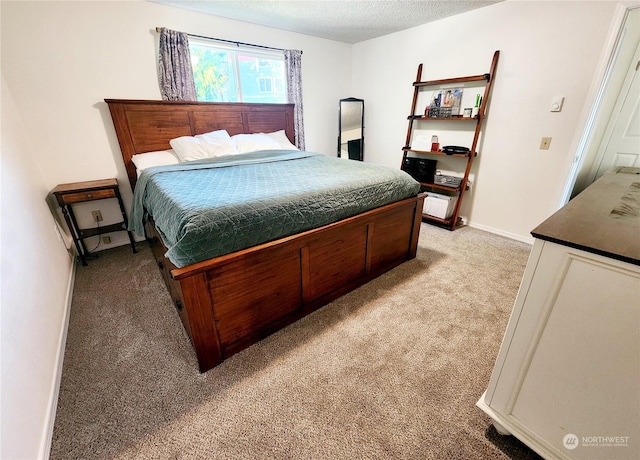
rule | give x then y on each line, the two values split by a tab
230	302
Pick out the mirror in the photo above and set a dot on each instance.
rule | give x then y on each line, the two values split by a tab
351	129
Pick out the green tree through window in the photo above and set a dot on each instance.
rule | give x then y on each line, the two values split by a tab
228	74
213	75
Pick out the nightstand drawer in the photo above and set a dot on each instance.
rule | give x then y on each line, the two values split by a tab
79	197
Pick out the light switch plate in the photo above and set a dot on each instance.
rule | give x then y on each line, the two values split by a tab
556	103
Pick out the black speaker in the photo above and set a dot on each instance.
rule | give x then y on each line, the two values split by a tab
409	165
420	169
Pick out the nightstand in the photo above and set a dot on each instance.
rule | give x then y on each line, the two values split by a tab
80	192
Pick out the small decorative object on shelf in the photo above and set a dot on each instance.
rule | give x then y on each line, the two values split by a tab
444	108
435	145
476	108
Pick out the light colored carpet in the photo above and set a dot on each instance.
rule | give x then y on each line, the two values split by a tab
389	371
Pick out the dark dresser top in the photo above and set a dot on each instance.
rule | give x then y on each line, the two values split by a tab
604	219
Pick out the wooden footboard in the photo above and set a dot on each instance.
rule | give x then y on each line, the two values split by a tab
230	302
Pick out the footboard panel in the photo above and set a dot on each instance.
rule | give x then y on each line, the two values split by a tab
250	293
230	302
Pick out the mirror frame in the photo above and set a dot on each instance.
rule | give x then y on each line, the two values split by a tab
351	99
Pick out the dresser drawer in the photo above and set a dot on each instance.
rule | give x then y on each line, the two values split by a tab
90	195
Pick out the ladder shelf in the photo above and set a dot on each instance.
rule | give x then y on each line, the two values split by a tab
419	161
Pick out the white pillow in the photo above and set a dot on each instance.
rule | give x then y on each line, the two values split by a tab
220	138
283	140
252	142
149	159
208	145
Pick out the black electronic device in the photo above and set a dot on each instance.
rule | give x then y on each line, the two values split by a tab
420	169
453	149
409	165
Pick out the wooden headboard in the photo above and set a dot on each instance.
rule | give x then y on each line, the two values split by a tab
147	126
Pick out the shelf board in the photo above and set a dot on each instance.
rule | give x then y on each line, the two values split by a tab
88	232
439	152
437	219
453	118
445	81
446	223
442	187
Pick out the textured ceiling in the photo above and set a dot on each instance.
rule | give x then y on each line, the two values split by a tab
349	21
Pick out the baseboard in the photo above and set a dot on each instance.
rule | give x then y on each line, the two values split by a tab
512	236
45	448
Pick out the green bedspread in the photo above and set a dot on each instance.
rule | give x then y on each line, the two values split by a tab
207	208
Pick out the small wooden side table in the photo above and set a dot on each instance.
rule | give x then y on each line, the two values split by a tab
79	192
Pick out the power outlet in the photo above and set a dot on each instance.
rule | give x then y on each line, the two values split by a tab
545	143
97	216
58	234
106	240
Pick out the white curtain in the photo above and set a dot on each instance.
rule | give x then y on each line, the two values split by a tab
175	74
293	61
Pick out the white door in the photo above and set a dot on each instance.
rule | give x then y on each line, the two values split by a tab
622	146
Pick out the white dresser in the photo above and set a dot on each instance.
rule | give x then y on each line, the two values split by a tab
567	378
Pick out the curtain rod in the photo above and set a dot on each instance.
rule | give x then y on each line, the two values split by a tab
158	29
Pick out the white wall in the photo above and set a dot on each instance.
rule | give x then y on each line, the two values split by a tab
59	61
547	49
36	281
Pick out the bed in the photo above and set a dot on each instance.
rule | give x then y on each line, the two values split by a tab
233	297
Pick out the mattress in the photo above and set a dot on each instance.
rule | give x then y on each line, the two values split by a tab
208	208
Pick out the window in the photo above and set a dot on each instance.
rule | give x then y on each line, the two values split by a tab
235	74
265	84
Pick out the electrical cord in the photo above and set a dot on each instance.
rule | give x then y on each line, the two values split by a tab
91	252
